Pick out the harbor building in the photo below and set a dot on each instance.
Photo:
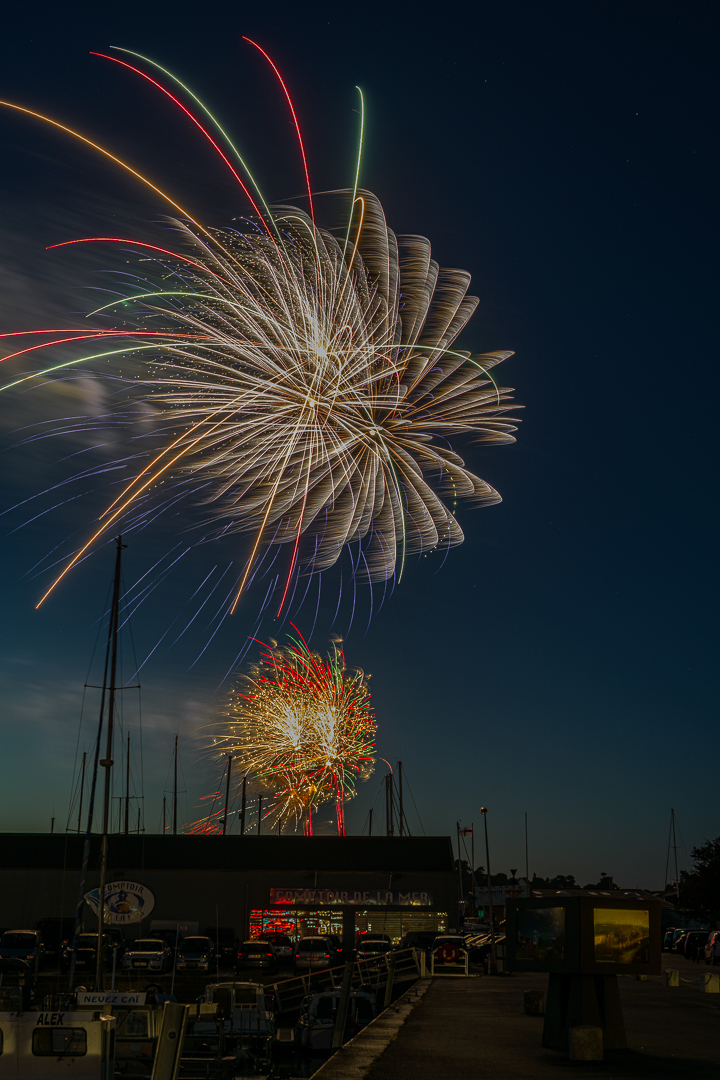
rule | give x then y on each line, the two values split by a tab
297	885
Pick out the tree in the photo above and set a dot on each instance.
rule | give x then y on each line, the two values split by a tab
560	881
700	887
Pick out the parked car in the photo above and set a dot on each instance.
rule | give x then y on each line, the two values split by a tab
226	943
694	945
170	937
679	941
677	934
712	948
457	940
24	945
86	957
668	939
195	954
371	946
314	952
54	932
337	945
418	939
282	945
255	954
154	954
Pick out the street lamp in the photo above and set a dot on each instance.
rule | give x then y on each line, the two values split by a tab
483	811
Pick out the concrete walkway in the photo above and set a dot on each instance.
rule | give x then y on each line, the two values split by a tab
355	1060
477	1028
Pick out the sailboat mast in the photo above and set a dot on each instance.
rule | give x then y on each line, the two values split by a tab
227	794
127	789
400	798
82	789
242	810
677	880
175	791
107	761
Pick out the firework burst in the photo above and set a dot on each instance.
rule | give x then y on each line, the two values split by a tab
301	729
305	378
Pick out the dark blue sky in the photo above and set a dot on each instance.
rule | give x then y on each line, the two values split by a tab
563	660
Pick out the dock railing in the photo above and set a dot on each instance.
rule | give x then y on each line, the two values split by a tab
370	974
449	959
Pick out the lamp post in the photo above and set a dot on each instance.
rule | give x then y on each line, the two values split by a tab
483	811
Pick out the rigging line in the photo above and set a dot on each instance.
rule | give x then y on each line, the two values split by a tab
217	793
407	782
140	726
82	704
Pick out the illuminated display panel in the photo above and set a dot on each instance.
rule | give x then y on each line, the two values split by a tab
622	936
541	934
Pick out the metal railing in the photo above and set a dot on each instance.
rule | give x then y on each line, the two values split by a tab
369	974
440	966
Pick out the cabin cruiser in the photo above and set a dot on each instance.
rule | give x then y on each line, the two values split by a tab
232	1021
72	1043
318	1014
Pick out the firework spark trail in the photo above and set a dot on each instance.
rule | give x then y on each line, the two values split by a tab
311	383
303	730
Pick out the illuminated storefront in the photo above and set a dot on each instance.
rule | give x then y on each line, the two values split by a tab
308	922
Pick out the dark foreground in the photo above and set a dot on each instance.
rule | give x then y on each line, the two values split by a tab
477	1028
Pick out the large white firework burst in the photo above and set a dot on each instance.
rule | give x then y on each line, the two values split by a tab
308	379
315	385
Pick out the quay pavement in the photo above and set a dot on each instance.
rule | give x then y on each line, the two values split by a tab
477	1028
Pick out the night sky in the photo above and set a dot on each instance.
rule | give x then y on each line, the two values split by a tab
562	661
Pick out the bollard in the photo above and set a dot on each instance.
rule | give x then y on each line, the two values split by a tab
585	1043
534	1003
671	977
710	984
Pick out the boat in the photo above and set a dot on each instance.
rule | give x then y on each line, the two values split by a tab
233	1025
62	1042
318	1013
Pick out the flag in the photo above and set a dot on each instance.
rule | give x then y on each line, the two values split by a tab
467	831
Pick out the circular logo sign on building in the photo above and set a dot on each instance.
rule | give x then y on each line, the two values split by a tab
125	902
